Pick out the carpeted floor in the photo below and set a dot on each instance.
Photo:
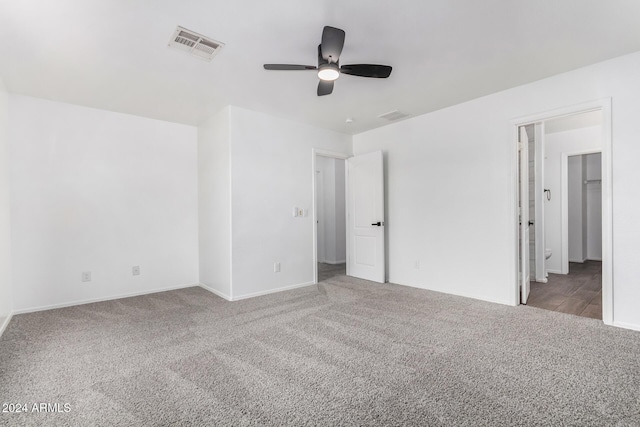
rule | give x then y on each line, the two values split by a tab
344	352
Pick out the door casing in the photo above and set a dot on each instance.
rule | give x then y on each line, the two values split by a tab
603	105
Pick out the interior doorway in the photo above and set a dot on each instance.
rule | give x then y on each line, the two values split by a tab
358	200
577	287
330	209
570	178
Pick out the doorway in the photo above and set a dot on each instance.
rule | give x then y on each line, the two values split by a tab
576	153
361	207
577	287
330	210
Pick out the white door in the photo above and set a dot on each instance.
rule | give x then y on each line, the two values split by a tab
541	271
524	215
365	217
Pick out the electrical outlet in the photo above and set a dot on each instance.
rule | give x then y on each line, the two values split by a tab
135	270
276	267
86	276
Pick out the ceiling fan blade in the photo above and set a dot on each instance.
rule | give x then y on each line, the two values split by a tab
281	67
332	43
325	87
367	70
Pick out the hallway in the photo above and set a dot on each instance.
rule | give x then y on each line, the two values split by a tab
579	292
327	271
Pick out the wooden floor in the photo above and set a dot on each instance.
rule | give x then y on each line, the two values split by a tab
579	292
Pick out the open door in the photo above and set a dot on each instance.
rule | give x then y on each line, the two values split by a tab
523	207
540	245
365	217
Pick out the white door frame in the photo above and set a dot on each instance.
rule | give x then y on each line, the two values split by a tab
604	105
334	155
319	215
564	204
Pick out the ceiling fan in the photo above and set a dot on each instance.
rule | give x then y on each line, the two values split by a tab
329	68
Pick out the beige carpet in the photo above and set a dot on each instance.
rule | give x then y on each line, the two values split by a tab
345	352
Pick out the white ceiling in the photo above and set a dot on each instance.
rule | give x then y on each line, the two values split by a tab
113	54
573	121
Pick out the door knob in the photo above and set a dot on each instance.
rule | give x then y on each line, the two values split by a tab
378	224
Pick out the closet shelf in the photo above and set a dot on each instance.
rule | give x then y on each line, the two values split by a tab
593	181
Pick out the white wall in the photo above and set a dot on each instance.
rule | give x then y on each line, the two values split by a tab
556	144
214	203
271	174
450	194
98	191
447	200
332	230
594	206
6	299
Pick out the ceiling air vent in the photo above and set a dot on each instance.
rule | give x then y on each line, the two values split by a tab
393	115
195	44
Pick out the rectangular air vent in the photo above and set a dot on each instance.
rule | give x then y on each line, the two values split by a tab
393	115
195	44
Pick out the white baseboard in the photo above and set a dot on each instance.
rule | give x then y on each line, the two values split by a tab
625	325
545	280
585	260
458	294
92	300
554	271
5	323
272	291
135	294
215	292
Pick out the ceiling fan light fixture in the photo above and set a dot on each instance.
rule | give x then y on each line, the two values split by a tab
328	72
329	68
